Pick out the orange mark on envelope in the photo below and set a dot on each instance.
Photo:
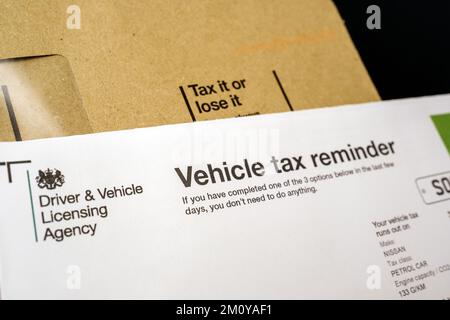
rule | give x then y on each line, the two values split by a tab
281	43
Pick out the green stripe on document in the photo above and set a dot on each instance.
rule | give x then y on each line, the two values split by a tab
442	124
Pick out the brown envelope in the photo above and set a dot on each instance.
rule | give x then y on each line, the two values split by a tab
143	63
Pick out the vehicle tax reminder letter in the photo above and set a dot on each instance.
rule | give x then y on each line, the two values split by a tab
344	202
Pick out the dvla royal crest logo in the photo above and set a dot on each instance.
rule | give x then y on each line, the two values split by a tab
50	179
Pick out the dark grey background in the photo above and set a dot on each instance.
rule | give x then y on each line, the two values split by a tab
410	55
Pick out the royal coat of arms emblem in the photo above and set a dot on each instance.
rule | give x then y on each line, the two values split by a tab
50	179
